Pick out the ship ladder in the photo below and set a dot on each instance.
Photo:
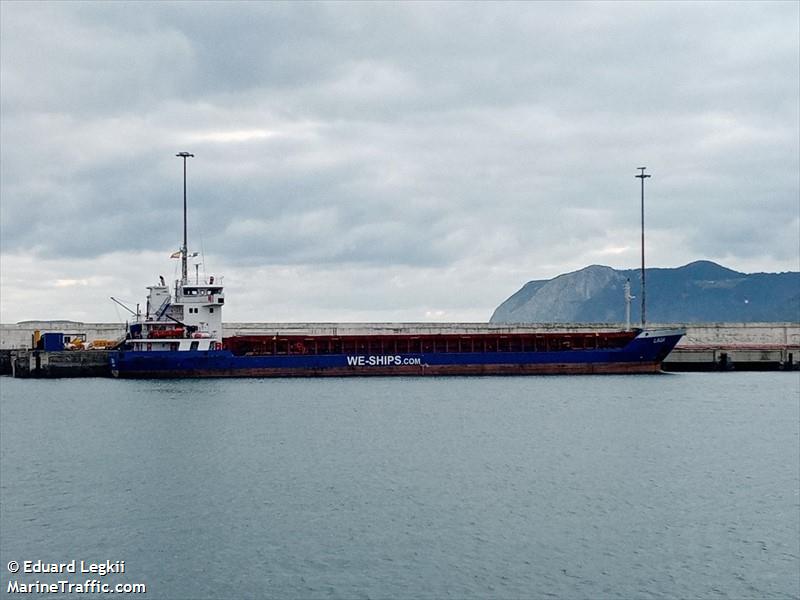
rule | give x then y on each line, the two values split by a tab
163	309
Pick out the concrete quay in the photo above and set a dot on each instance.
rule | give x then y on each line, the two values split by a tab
706	346
68	363
19	335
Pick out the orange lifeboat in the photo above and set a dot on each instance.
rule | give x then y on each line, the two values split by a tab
167	333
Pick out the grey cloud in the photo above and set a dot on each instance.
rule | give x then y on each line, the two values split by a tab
400	134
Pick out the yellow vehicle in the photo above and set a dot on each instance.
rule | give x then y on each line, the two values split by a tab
102	344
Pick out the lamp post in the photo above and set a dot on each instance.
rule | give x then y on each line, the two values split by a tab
642	176
184	249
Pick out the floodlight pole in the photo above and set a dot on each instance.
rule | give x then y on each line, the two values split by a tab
184	248
642	176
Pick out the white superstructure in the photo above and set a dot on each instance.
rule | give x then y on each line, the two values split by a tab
187	318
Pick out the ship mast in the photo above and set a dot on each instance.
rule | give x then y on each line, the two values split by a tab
628	299
184	248
642	176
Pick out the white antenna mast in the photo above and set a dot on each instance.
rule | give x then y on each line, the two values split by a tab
642	176
628	299
184	249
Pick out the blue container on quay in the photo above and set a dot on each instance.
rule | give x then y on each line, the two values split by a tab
52	342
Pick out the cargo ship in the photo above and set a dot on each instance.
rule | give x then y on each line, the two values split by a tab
277	355
180	335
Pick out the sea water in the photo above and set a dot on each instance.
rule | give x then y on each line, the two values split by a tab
665	486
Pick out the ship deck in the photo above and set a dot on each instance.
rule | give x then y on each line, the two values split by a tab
272	345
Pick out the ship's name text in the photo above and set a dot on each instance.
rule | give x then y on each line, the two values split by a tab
382	361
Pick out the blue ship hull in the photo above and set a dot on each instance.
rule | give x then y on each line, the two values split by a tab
643	354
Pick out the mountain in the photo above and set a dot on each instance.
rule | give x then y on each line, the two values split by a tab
700	292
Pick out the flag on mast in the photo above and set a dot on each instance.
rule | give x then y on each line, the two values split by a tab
175	254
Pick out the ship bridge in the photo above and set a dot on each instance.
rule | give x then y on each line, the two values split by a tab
201	305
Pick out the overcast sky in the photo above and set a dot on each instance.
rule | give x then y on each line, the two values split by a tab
381	161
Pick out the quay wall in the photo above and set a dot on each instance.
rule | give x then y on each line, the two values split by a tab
38	363
19	335
710	346
697	334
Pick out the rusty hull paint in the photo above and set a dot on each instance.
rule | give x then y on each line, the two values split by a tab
413	371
